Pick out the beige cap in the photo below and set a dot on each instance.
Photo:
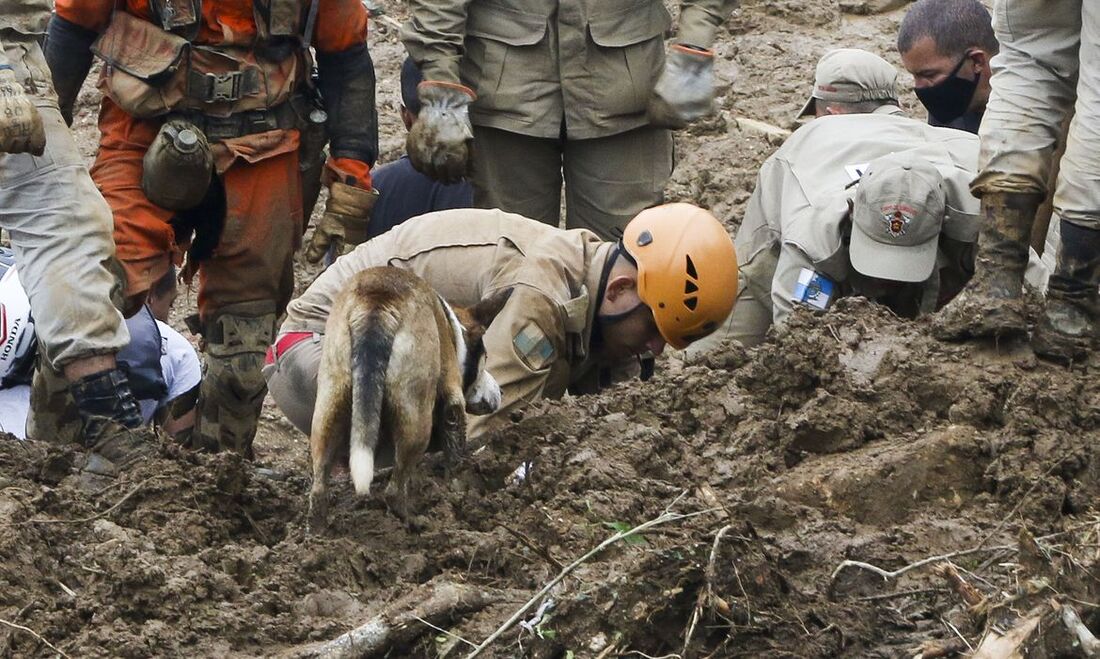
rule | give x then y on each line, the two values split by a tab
897	218
850	75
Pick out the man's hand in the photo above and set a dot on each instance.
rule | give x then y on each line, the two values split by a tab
21	129
685	90
439	143
345	222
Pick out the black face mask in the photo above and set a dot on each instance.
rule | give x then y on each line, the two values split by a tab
948	100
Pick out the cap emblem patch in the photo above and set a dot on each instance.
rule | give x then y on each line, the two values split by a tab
896	219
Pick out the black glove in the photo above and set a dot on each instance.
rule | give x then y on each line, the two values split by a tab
685	90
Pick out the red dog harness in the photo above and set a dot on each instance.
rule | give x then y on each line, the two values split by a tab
284	343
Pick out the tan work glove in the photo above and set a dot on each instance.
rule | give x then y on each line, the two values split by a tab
345	222
439	143
21	129
685	90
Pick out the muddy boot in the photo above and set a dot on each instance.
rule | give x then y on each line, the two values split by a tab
113	426
53	415
113	429
991	305
233	388
1067	328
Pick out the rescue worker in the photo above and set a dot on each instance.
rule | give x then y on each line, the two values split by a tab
947	45
580	308
553	89
207	119
852	81
1049	52
59	223
866	202
403	192
162	368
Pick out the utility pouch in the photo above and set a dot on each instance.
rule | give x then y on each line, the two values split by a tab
145	67
150	72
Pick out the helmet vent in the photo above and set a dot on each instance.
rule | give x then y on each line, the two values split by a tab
691	268
691	302
644	238
690	287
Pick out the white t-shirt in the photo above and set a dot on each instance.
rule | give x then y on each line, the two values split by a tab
178	362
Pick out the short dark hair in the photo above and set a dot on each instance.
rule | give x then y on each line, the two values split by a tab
411	77
165	284
954	25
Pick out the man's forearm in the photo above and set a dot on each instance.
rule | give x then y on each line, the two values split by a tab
434	36
700	20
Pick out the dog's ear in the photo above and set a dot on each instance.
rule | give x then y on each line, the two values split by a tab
485	311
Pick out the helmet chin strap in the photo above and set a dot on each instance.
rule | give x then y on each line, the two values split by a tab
613	318
618	250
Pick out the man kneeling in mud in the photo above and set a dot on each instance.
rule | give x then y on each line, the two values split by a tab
860	201
580	306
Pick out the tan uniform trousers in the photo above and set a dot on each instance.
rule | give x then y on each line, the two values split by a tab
1050	50
60	228
608	180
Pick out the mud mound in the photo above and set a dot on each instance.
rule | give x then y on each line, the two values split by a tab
846	437
850	437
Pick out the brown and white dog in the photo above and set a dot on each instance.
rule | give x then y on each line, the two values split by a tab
398	364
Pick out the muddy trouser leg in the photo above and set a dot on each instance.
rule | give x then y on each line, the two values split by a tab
61	231
1068	325
292	381
609	180
1034	80
232	392
517	173
751	317
242	289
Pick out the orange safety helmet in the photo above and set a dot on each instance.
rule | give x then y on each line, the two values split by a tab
687	269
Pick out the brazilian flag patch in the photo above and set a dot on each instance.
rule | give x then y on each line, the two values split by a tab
533	347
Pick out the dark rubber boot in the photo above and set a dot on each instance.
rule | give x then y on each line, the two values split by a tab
1067	328
991	305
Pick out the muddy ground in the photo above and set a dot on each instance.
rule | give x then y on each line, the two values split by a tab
850	437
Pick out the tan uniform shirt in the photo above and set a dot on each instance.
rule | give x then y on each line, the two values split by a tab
538	63
797	216
539	345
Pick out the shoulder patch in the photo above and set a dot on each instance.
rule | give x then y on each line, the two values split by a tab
533	347
813	290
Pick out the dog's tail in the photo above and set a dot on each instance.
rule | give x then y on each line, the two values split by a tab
372	346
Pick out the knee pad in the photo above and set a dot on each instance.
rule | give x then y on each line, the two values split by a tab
233	387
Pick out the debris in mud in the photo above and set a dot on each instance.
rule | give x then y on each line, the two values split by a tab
847	437
204	555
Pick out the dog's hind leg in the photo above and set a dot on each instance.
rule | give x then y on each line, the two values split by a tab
450	426
412	432
328	434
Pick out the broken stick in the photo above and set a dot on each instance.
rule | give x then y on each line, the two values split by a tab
1089	644
438	601
887	576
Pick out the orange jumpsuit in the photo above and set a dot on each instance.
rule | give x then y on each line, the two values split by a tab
264	225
